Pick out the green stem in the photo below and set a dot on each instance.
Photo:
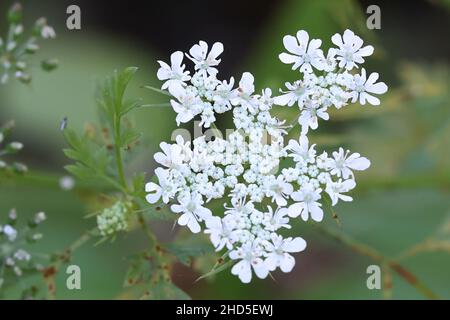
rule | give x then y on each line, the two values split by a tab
118	150
378	257
145	228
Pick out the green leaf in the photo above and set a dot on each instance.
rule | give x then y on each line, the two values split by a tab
139	269
110	95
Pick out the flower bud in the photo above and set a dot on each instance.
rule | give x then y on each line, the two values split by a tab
19	167
13	147
23	77
31	48
113	219
15	13
49	64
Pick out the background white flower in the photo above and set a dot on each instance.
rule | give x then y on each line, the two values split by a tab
173	74
304	54
205	62
350	51
362	87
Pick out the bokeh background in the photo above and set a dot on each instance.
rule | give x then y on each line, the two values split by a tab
402	201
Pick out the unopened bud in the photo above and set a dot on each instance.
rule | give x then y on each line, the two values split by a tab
15	13
49	64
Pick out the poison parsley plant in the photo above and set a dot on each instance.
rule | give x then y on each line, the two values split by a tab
243	169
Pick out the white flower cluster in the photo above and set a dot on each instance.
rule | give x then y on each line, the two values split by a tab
17	45
113	219
244	167
327	81
13	257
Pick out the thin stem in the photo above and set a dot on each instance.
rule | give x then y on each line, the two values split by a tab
145	228
378	257
118	151
157	90
155	105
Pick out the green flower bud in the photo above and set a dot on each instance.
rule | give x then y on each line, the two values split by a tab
49	64
113	219
14	146
19	167
15	13
38	26
31	48
23	77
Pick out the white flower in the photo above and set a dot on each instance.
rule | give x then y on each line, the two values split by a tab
307	203
48	32
250	259
301	151
342	164
277	219
205	62
66	183
278	252
171	157
362	87
173	74
188	104
350	50
10	232
185	148
220	232
302	54
39	217
244	92
192	211
309	117
22	255
244	169
279	189
223	95
166	188
334	190
297	92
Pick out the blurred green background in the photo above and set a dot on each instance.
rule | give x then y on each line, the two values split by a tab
403	200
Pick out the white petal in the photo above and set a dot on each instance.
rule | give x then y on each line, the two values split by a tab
193	225
361	163
303	38
291	45
348	36
366	51
316	212
287	263
295	209
282	100
153	197
286	58
243	270
216	50
377	88
373	77
260	268
295	245
176	59
337	39
371	99
272	261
